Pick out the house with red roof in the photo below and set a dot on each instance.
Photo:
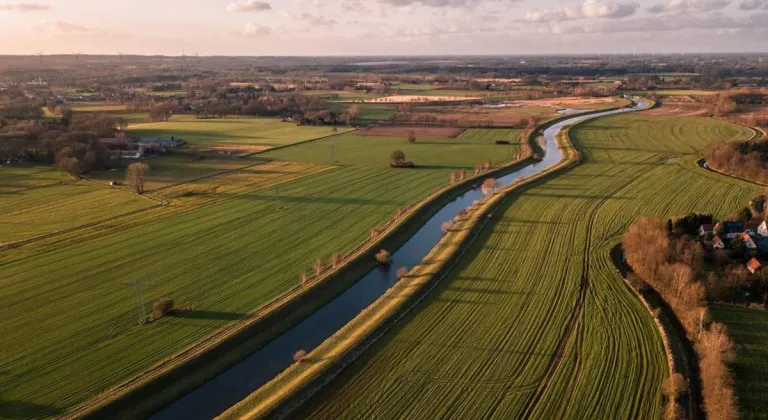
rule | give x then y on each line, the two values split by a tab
754	265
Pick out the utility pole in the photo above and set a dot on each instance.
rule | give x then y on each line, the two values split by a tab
140	302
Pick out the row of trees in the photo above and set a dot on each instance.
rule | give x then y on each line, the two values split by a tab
658	260
745	160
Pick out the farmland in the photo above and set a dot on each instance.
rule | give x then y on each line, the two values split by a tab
748	329
224	245
235	131
464	151
535	322
26	213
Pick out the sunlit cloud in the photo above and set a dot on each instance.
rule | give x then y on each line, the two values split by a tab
248	6
24	7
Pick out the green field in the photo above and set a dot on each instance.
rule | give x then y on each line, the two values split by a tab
224	246
14	178
465	151
748	329
176	168
535	322
676	92
368	112
233	131
32	212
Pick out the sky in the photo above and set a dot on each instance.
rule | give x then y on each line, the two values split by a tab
382	27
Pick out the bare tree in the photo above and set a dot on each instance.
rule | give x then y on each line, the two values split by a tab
490	185
135	174
318	266
411	137
335	259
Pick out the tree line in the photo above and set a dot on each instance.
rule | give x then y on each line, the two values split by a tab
670	265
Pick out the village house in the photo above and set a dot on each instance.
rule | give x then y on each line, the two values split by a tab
718	243
706	230
730	229
748	241
754	265
751	228
763	229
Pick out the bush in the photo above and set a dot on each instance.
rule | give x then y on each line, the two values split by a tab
383	257
299	355
162	307
402	272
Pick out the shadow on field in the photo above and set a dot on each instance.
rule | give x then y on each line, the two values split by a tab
314	200
433	167
24	410
192	314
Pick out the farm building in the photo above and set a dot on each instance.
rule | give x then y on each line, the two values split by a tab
171	143
754	265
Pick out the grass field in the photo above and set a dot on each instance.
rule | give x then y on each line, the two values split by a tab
37	211
14	178
676	92
175	169
224	246
464	151
749	330
234	131
535	322
368	111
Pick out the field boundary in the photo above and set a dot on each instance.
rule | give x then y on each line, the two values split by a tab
681	357
284	394
155	387
272	149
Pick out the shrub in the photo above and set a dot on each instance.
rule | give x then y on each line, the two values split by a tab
383	257
446	226
162	307
402	272
299	355
397	157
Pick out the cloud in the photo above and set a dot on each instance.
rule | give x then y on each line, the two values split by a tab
252	29
67	27
24	7
436	3
315	20
682	6
248	6
720	23
753	4
588	9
